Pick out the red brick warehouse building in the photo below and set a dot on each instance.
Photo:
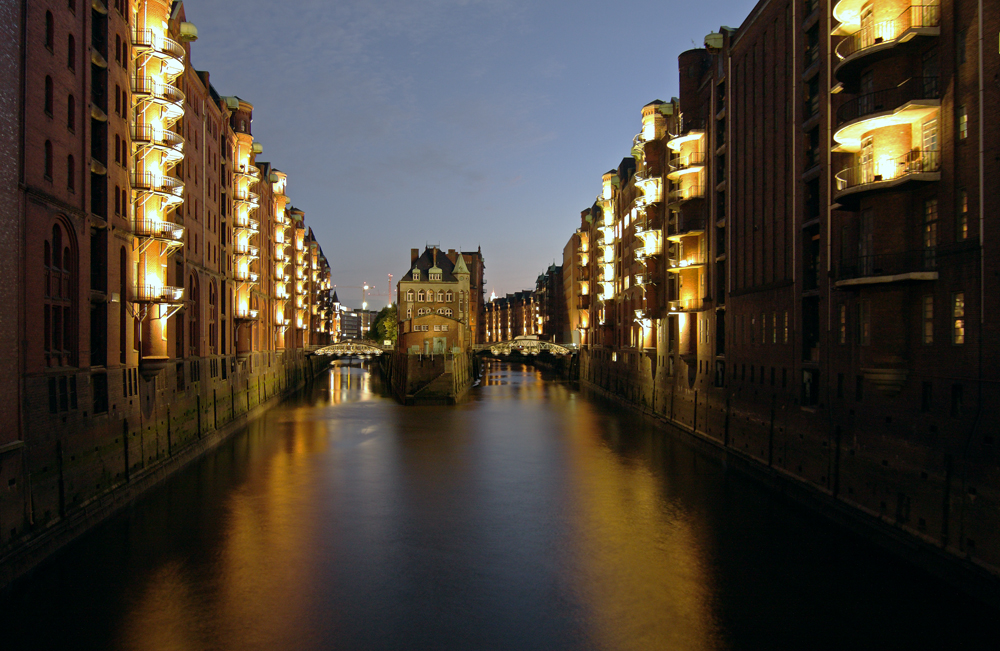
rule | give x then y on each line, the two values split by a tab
819	254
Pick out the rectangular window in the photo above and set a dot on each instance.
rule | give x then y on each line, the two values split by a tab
962	224
928	319
958	318
842	336
840	385
930	235
786	327
774	329
864	323
956	401
926	396
963	123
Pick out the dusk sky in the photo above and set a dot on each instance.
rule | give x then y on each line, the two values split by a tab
462	123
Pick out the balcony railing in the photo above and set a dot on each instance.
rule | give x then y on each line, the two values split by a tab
159	91
145	39
913	162
890	264
159	230
157	294
246	250
915	88
169	142
685	305
687	193
685	161
869	36
158	183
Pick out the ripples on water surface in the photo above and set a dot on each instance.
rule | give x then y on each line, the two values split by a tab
528	518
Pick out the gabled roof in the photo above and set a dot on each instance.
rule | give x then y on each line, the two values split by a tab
426	263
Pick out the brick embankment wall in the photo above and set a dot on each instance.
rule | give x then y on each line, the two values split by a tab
81	469
899	494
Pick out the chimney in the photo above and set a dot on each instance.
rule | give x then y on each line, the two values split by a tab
414	254
451	256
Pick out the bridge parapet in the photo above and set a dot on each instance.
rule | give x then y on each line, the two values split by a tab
352	348
524	347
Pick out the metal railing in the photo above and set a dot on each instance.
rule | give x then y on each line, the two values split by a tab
685	305
686	193
144	133
915	161
147	38
889	99
687	125
683	161
157	294
147	86
158	229
887	264
889	30
157	183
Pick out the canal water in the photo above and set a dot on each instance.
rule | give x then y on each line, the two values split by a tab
531	517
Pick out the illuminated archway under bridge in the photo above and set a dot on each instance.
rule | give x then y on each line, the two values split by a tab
350	349
524	347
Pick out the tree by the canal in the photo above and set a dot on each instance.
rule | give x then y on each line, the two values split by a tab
384	326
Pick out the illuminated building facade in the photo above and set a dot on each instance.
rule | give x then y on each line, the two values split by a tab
153	301
436	303
576	284
815	259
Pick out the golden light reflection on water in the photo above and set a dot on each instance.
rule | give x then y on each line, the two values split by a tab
619	510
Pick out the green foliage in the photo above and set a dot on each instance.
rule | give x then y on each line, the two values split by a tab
384	326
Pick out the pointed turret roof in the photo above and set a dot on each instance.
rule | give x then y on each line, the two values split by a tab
460	267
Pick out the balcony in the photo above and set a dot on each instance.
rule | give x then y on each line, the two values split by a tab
677	265
168	51
247	225
157	294
246	251
245	275
652	191
883	174
250	172
870	42
645	280
682	164
168	188
889	268
168	143
247	197
247	315
583	302
689	130
912	102
685	305
160	231
684	225
167	96
683	195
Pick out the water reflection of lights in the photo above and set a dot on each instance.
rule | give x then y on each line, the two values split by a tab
350	381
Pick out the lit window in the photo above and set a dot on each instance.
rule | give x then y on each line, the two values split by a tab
963	123
958	318
842	338
962	227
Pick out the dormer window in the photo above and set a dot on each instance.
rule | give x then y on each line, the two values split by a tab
435	276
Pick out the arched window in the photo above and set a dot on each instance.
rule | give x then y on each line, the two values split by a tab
50	29
420	296
122	293
48	159
70	173
440	296
193	312
409	296
212	317
48	95
449	297
71	53
71	113
58	261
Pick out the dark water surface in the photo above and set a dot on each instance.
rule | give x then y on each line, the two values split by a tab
529	518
